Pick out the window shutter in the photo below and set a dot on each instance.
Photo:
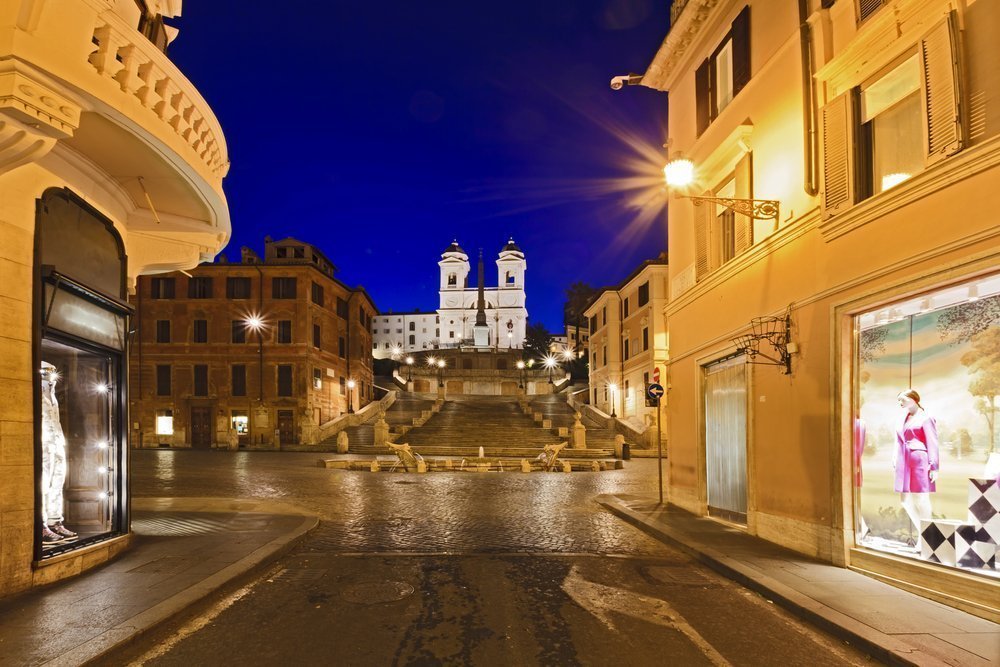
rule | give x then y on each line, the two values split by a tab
702	78
741	51
702	216
866	8
744	190
939	59
838	156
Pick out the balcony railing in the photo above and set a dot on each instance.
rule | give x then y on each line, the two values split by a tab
144	72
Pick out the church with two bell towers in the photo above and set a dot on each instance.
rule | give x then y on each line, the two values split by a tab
469	314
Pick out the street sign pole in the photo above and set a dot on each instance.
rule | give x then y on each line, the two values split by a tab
659	449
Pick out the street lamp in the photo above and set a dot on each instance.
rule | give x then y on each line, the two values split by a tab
409	369
568	354
351	384
679	174
520	367
612	388
440	367
550	363
395	351
255	322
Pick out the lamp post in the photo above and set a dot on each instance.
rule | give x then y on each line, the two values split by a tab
612	388
255	322
409	369
440	367
351	384
550	363
520	367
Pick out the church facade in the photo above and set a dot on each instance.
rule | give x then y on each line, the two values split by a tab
453	325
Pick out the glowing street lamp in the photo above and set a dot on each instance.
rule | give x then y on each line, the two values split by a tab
612	388
351	384
550	363
409	369
520	367
679	174
255	322
431	361
395	351
568	354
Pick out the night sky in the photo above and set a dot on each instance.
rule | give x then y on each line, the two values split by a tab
380	131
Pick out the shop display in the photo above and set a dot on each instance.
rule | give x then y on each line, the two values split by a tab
937	540
915	459
984	506
974	548
53	461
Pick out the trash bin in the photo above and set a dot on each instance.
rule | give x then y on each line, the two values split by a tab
626	452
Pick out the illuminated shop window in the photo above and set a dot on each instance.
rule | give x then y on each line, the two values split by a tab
164	422
240	422
926	442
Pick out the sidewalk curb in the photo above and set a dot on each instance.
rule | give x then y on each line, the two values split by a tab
129	630
879	645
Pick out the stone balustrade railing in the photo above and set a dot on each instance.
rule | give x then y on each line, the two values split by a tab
348	419
144	73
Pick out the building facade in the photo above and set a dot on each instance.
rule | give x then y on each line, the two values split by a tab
111	166
628	340
256	354
834	242
506	311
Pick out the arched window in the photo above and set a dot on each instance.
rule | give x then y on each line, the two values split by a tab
452	279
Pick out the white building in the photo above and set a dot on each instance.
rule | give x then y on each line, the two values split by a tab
452	325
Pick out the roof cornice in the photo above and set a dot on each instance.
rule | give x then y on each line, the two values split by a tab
666	67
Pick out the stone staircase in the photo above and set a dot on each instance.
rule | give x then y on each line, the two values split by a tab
465	423
554	408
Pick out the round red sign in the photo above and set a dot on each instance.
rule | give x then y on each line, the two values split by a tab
656	375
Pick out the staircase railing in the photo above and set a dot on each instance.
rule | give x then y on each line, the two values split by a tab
348	419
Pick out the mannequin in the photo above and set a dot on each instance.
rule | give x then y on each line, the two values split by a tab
915	459
53	461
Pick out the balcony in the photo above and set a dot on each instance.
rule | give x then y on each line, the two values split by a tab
77	79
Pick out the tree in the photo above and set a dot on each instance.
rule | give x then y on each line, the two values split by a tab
537	341
578	296
983	360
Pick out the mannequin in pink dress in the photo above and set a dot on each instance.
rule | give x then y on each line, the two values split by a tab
915	458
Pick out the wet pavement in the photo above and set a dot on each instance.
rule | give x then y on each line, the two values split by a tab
463	568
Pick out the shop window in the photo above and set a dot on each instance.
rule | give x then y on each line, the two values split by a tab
925	437
907	117
164	422
162	331
239	331
643	297
317	294
723	74
283	288
163	387
237	288
200	380
284	380
238	383
240	422
199	288
284	332
200	331
163	288
81	391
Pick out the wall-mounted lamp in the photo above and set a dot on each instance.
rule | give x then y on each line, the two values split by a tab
679	173
775	331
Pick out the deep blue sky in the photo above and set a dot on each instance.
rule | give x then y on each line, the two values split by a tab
380	131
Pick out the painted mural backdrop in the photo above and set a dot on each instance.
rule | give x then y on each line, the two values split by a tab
952	358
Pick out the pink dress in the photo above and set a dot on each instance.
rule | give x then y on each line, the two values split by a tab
917	454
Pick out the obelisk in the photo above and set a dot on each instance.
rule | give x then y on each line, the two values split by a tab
481	331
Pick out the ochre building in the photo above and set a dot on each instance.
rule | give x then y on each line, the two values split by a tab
111	166
834	226
257	354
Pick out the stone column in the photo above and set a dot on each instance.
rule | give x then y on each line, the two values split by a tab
579	433
381	431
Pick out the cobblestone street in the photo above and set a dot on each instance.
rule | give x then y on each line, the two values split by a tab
464	568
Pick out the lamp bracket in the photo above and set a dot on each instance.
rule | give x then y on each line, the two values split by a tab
773	330
759	209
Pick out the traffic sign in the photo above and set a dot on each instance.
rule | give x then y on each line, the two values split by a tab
656	375
654	391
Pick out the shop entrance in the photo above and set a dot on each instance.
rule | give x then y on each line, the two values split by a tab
286	426
201	428
726	439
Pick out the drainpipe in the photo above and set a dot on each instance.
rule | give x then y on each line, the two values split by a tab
809	122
